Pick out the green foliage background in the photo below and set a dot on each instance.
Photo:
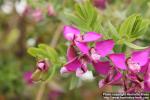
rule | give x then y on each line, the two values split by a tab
125	21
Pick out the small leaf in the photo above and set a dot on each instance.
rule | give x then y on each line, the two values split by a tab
113	31
131	45
32	51
128	25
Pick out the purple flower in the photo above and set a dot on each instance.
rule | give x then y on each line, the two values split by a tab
27	77
72	34
79	54
133	63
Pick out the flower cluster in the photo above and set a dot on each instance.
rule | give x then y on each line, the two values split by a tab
79	54
132	73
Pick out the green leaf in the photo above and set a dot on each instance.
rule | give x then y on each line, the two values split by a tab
33	51
85	17
44	51
113	31
52	54
129	24
133	46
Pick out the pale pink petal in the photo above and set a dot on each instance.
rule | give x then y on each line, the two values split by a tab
101	83
70	32
104	47
140	57
91	36
102	67
118	60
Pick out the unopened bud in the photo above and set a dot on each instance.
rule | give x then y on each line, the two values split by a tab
42	65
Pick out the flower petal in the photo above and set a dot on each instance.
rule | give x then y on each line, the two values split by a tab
140	57
116	78
88	75
82	47
70	32
145	67
71	66
91	36
71	53
104	47
102	67
101	83
118	60
147	79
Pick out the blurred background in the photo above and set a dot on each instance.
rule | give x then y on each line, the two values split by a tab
26	23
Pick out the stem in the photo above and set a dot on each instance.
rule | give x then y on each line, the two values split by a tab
52	44
56	35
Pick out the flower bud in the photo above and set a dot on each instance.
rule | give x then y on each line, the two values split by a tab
36	76
42	65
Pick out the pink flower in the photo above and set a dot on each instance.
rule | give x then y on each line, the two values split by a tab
79	55
133	63
72	34
137	70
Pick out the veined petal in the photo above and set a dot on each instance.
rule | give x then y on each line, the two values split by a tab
71	66
71	53
104	47
102	67
140	57
91	36
70	32
82	47
118	60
